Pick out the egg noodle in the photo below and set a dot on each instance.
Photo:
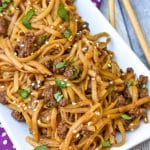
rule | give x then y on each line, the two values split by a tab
63	81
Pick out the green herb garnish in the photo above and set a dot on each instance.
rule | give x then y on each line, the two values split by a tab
58	96
110	89
42	147
67	34
75	73
106	143
4	5
24	93
126	117
62	13
129	83
27	17
42	40
48	105
61	65
144	86
61	83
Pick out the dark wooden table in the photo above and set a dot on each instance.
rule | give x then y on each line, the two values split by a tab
124	28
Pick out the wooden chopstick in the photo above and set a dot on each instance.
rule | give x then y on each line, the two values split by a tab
111	4
137	29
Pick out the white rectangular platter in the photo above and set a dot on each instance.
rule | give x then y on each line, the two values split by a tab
123	55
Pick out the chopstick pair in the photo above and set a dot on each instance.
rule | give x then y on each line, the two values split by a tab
135	24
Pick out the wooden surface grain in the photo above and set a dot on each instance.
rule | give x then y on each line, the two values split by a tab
125	29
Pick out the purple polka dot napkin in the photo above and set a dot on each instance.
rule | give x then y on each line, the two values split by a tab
5	142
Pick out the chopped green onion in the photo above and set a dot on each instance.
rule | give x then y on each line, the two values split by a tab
144	86
61	83
27	17
129	83
48	105
42	40
126	117
42	147
24	93
4	5
110	90
106	143
62	12
76	73
58	96
67	34
61	64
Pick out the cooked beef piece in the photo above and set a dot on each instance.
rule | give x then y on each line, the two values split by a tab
143	92
121	101
114	95
130	70
3	99
82	25
48	94
69	2
142	80
55	70
48	65
78	36
69	71
3	26
85	133
17	115
62	130
27	45
0	2
143	112
63	102
134	113
127	94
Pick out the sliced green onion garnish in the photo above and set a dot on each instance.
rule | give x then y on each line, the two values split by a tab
58	96
129	83
67	34
42	147
27	17
106	143
62	12
75	74
61	83
4	5
110	90
61	65
126	117
42	40
24	93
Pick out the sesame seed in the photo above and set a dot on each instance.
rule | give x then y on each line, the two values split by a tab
77	135
35	109
68	84
74	131
84	49
65	79
52	27
2	86
73	103
22	45
109	65
97	113
111	82
25	108
46	42
60	26
18	106
89	123
93	79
